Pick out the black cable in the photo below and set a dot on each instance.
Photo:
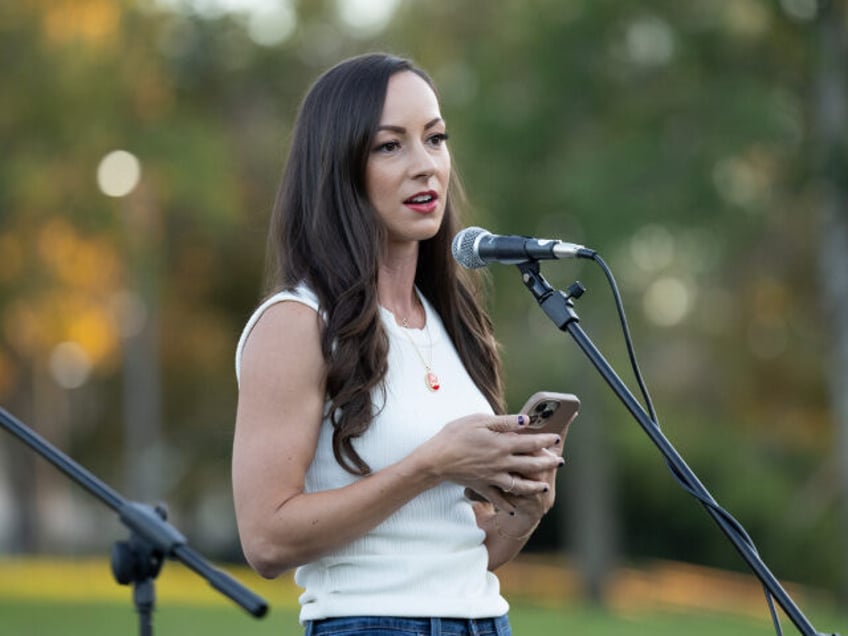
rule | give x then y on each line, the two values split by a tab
628	341
712	505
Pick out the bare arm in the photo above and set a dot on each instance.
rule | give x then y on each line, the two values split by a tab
281	401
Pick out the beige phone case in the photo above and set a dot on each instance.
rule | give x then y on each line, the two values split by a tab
551	412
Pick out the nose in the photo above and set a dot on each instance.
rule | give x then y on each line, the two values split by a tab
422	164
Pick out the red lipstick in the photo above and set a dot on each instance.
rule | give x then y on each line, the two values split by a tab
423	202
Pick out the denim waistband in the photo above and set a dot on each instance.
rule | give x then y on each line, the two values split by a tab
402	626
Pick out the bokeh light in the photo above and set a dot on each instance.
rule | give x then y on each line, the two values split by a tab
652	248
649	41
271	23
69	365
366	18
667	301
118	173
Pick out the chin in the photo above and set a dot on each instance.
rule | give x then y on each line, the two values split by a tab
430	232
418	229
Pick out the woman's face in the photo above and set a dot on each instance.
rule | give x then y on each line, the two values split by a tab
409	165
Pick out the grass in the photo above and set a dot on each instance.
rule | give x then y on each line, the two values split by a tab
33	618
53	597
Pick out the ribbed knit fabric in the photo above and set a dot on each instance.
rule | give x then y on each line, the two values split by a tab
428	558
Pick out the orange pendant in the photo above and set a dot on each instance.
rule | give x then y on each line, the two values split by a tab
432	381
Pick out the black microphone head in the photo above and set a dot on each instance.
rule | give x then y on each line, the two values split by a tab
463	250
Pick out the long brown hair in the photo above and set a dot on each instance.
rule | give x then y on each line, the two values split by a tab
326	234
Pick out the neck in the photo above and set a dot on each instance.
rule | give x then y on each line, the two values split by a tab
396	285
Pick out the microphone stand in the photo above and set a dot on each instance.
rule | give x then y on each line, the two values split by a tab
559	307
139	560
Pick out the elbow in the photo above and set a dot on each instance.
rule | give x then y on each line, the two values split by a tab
266	558
266	563
266	569
272	547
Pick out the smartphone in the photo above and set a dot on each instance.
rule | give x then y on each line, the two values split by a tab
550	412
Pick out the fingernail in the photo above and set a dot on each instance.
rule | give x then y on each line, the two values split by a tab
558	441
546	489
522	420
512	513
561	463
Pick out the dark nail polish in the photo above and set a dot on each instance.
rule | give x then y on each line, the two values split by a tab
521	420
561	463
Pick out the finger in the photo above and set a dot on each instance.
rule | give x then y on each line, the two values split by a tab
557	457
530	466
499	499
524	487
508	423
553	453
508	486
526	444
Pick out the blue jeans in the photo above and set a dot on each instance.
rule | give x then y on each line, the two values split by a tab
400	626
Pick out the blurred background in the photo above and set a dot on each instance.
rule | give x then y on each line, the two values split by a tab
699	147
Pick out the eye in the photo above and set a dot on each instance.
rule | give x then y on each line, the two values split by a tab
388	146
438	139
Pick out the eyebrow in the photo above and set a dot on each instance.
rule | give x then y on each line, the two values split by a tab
402	130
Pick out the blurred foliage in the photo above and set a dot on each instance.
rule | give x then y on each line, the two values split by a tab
673	137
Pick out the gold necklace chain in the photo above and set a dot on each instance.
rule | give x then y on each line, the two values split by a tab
430	378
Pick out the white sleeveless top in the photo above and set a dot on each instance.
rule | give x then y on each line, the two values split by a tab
428	558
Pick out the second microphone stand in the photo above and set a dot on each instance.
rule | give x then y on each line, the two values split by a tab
152	539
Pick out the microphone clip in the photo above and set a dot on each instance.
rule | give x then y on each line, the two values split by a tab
575	290
558	305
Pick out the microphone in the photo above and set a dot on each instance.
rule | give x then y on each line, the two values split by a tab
475	247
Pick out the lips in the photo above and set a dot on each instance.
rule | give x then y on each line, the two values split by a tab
423	202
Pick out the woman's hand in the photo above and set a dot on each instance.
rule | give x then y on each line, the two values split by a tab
537	505
508	527
488	455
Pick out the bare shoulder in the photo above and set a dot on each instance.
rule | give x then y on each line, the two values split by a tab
284	329
282	360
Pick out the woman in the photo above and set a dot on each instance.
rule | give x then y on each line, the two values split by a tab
368	387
